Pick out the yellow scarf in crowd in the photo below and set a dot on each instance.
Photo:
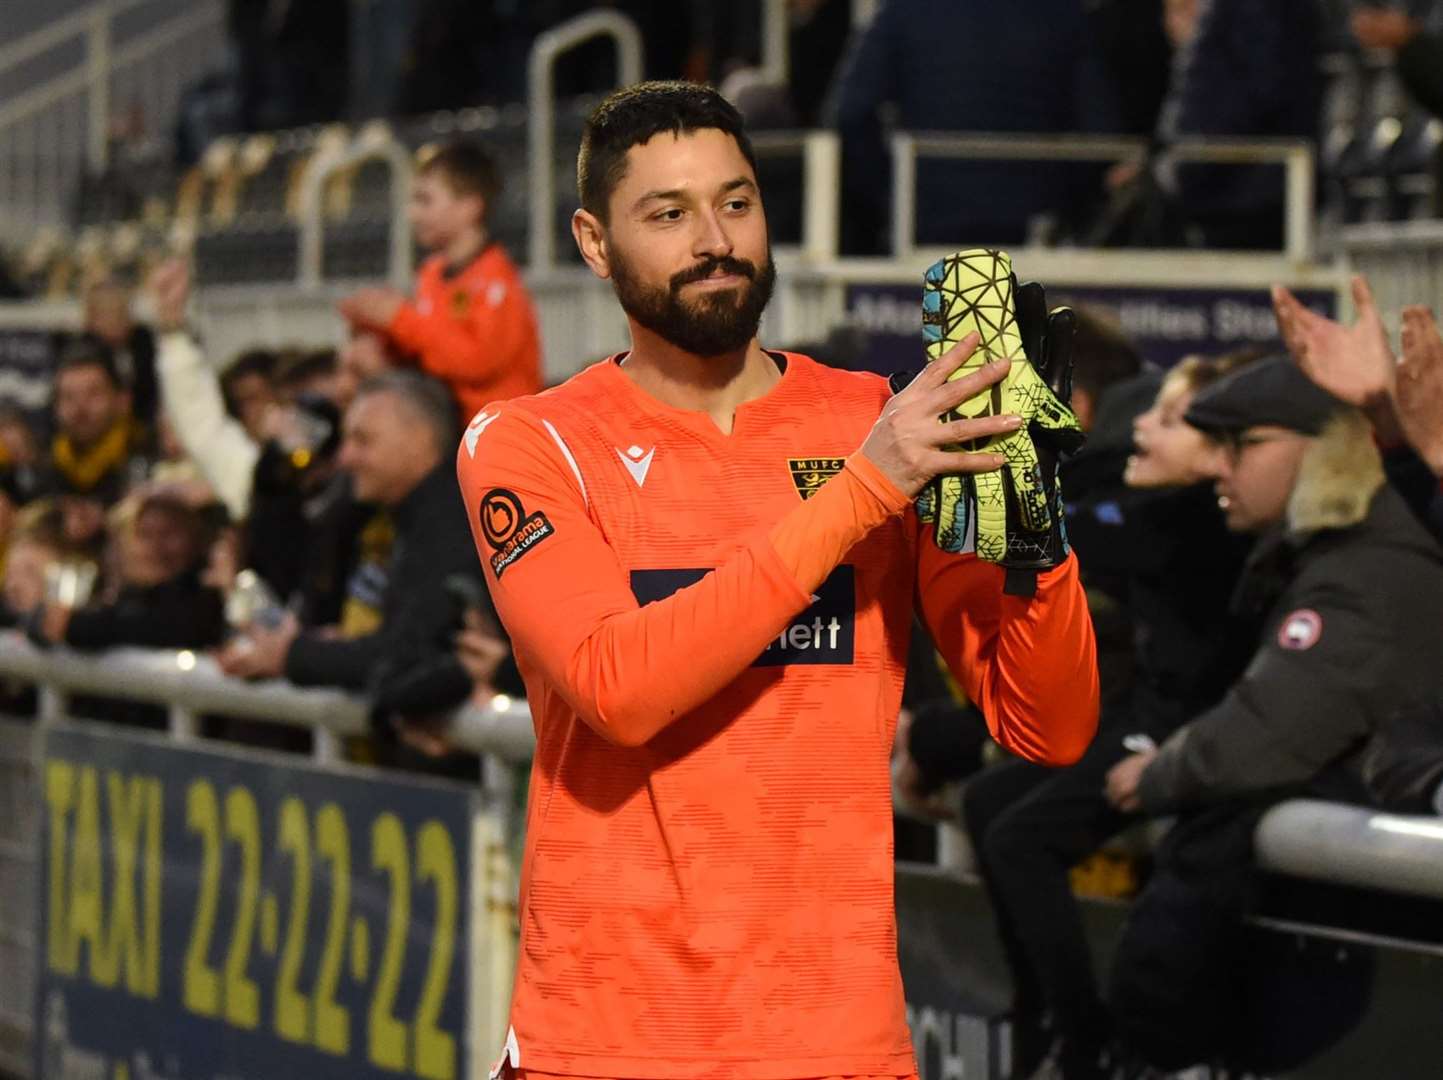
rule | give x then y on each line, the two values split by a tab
84	469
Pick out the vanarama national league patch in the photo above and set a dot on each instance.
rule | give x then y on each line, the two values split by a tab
509	530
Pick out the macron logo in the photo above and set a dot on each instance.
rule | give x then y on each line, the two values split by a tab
637	462
479	423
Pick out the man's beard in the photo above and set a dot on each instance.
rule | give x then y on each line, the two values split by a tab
719	321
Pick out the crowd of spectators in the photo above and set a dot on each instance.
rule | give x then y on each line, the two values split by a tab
1262	553
293	512
1259	533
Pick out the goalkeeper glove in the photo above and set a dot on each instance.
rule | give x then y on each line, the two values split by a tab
1014	516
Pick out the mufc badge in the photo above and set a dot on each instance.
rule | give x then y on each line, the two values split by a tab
809	474
1300	630
460	303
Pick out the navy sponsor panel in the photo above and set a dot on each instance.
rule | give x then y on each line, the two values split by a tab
1167	324
823	634
212	912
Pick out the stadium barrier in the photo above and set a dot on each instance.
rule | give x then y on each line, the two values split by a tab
290	838
51	133
953	994
1296	157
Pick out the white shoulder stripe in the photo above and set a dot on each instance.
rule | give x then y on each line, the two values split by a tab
566	453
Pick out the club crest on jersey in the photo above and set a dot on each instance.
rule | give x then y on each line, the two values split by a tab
509	530
809	474
460	303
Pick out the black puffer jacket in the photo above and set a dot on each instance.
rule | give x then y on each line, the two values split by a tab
1352	591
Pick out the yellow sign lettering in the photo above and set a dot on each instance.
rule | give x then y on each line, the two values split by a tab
59	796
85	899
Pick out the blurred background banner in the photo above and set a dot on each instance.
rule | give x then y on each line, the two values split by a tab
1165	324
208	913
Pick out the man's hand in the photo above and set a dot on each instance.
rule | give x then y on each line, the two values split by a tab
1353	363
906	442
907	787
1384	28
1418	391
1124	778
52	622
261	652
427	735
169	289
373	308
480	649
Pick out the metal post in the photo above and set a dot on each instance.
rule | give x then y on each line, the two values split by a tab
312	215
1298	206
326	746
184	724
541	121
97	67
775	43
904	194
822	181
52	703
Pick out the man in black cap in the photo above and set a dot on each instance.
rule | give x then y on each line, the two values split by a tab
1344	581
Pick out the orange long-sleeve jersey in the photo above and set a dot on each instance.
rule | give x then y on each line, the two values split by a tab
474	330
713	629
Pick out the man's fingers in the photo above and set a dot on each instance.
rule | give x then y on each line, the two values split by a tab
1362	295
945	462
936	373
961	431
950	395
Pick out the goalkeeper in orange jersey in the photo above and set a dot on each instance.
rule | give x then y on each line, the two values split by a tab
706	558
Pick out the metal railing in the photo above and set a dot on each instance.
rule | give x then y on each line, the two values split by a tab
53	132
190	685
1403	262
541	122
373	145
19	859
821	184
1295	156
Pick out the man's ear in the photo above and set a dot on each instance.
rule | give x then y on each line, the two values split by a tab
590	237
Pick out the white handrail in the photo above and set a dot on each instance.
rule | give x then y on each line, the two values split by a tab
190	684
52	34
776	46
312	216
541	122
1353	845
1296	156
821	182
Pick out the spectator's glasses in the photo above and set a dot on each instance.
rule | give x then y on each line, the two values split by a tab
1234	443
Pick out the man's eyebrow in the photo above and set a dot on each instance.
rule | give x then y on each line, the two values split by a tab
678	193
658	196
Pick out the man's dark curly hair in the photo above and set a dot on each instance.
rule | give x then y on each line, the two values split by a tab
631	116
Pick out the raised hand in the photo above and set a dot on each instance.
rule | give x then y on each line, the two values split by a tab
907	442
1418	389
1353	363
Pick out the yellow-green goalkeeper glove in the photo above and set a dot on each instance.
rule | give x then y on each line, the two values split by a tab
1014	516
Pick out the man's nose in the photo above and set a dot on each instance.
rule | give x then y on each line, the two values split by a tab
711	238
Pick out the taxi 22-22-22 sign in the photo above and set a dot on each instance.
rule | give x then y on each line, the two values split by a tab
209	913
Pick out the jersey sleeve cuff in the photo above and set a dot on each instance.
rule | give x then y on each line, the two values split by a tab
877	484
